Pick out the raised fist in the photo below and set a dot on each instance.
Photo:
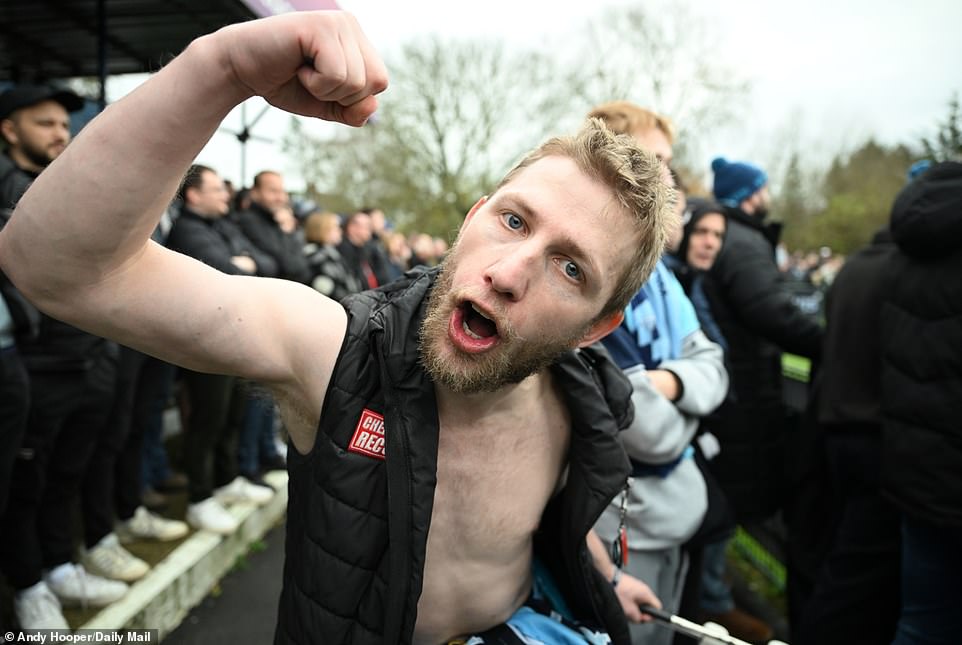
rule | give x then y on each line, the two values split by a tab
315	63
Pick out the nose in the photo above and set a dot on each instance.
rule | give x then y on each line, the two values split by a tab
511	275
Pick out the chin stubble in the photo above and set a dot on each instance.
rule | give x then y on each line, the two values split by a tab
513	360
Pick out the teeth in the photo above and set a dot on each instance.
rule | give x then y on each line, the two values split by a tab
478	311
467	330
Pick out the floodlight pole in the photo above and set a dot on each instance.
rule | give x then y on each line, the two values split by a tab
245	134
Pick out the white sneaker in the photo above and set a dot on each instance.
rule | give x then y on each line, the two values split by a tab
209	515
74	586
110	560
37	608
241	490
145	525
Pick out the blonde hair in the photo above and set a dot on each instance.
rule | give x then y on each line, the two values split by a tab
395	239
635	178
318	226
624	117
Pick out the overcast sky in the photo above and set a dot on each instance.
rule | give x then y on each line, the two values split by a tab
831	71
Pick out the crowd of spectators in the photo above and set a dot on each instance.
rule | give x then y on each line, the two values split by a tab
870	477
84	418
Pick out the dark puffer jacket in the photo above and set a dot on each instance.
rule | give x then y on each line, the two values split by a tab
358	524
26	318
758	320
921	336
45	343
14	182
257	223
215	241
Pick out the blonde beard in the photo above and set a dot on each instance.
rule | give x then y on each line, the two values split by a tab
511	361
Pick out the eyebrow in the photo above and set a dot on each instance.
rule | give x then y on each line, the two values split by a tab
700	226
51	119
567	243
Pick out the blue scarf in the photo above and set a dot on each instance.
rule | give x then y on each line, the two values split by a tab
658	318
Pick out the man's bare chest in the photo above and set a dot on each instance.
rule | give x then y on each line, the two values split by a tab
495	478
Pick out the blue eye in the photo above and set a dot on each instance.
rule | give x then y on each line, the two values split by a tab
572	270
513	221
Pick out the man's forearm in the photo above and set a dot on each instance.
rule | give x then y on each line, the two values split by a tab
599	554
96	205
667	383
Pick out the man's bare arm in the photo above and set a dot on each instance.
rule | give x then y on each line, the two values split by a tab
78	243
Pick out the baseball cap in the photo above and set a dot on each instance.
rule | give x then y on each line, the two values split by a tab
22	96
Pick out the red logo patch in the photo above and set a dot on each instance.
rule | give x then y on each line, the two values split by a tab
368	437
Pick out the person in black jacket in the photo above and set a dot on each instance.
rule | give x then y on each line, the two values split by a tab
356	250
462	433
18	320
204	231
216	404
921	339
844	536
271	226
34	123
758	321
377	246
71	388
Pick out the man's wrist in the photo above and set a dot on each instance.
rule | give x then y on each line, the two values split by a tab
666	383
615	577
208	52
677	386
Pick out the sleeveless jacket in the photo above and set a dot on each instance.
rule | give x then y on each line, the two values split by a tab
360	502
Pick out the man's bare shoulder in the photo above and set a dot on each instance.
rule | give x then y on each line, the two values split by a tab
311	329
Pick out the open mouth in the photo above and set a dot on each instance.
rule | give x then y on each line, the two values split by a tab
471	329
476	324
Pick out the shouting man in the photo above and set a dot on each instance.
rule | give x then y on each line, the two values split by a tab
450	449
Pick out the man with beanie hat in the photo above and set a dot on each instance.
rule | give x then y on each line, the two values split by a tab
739	181
759	321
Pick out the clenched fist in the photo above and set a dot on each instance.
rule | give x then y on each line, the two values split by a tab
316	64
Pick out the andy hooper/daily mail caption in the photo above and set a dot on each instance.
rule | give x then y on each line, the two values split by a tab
47	636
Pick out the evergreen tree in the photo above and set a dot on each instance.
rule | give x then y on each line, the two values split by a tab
947	145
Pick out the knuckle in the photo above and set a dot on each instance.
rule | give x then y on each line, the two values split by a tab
336	76
378	83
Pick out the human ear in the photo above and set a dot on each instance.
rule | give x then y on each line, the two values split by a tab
602	328
478	204
9	131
